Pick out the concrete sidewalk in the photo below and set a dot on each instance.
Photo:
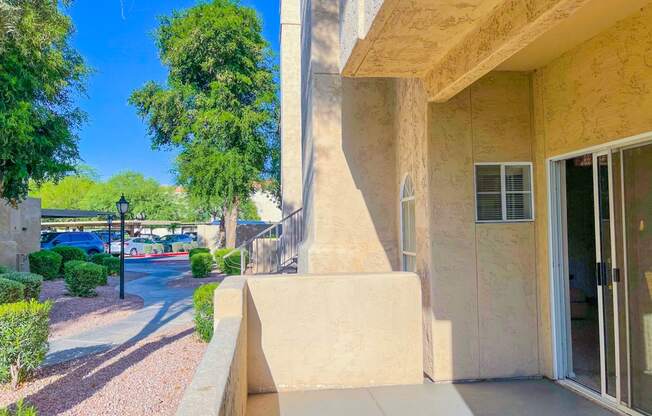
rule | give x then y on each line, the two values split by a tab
500	398
163	308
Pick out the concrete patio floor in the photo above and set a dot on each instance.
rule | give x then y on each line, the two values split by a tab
501	398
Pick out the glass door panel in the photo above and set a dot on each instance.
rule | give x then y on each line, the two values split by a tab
605	273
584	357
637	190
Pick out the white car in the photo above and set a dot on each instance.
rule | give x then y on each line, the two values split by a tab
133	246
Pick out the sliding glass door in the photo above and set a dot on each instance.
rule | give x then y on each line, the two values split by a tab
637	207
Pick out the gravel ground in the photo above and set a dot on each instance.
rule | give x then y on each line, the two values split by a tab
71	315
147	377
186	280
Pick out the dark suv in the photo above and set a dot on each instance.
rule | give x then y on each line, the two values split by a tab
89	242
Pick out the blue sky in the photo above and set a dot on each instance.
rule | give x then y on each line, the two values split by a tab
116	39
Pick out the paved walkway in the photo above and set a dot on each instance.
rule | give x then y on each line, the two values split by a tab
163	308
503	398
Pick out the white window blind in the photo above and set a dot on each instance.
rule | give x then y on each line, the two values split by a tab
504	192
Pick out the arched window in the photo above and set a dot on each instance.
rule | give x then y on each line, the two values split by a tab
408	228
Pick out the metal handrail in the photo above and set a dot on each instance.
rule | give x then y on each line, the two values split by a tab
279	249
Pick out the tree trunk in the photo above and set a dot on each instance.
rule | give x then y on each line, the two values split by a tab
230	225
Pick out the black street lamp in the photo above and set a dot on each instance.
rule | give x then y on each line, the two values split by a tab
123	208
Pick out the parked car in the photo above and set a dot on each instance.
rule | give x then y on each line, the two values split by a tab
174	238
153	237
115	235
192	234
89	242
133	246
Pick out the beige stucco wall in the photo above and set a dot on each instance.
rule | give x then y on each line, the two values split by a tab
486	301
290	94
20	232
219	385
348	164
478	279
310	332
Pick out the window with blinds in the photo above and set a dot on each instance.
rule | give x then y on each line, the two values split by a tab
504	192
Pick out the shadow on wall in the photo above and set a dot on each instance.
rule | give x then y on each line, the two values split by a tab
368	147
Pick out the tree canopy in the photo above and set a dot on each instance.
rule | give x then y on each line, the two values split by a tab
39	72
83	190
218	106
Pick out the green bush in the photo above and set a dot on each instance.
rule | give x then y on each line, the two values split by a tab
47	263
83	277
11	291
148	249
21	409
99	258
5	269
202	300
23	338
219	256
201	264
158	248
69	253
197	250
111	263
31	281
177	247
231	264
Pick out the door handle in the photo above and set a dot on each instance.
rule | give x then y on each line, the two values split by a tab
615	273
598	273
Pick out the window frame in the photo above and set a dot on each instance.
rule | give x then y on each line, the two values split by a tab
503	191
402	199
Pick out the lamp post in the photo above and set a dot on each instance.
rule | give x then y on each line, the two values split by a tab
109	219
123	207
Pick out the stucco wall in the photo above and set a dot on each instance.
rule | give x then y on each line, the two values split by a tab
348	163
311	332
483	275
219	385
20	232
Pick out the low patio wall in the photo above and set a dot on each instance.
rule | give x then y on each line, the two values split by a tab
219	386
308	332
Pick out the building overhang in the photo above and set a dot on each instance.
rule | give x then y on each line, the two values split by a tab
452	43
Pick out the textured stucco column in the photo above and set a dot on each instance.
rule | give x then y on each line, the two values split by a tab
291	105
348	159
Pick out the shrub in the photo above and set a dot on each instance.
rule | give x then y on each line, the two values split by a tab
31	281
69	253
21	409
177	247
158	248
5	269
197	250
231	264
148	249
23	338
111	263
219	257
202	300
47	263
201	264
11	291
83	277
99	258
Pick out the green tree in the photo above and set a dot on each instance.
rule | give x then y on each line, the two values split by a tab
218	106
145	196
65	194
39	72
